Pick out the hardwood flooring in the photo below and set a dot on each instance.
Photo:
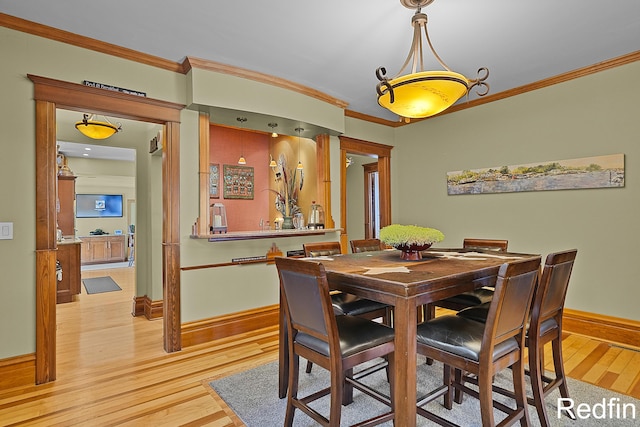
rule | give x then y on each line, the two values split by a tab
112	369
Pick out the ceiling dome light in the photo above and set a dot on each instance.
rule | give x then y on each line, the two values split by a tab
96	129
422	93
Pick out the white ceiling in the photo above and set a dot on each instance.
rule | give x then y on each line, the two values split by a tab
335	46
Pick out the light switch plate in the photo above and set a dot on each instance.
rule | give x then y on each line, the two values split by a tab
6	230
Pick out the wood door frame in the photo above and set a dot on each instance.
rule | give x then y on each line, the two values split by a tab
369	169
371	149
50	94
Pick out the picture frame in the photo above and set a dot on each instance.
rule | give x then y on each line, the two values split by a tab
214	181
238	182
606	171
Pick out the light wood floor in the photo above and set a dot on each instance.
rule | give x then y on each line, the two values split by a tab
112	369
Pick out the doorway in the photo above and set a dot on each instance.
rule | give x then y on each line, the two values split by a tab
50	94
352	146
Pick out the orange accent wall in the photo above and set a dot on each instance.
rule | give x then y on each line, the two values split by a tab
227	144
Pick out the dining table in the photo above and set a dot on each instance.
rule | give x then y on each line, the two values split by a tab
406	285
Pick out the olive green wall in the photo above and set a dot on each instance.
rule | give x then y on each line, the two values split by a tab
590	116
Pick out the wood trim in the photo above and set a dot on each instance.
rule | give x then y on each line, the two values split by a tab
599	326
144	306
51	33
383	154
17	371
171	237
204	64
78	97
153	309
232	324
191	62
204	129
138	306
50	94
46	244
323	162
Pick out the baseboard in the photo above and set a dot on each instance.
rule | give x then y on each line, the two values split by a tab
232	324
18	371
144	306
607	328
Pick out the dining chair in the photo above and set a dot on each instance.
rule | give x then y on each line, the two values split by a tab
470	298
545	326
344	303
484	349
476	296
366	245
336	343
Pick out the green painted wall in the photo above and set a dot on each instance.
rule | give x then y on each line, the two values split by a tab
591	116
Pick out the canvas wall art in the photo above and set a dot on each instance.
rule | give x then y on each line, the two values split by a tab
587	172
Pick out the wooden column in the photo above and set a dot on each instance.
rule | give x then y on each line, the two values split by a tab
171	237
46	173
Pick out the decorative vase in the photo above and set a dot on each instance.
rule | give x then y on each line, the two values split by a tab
287	224
412	252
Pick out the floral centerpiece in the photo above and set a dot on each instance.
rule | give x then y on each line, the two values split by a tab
288	190
410	239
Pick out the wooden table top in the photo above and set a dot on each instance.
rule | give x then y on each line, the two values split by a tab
385	272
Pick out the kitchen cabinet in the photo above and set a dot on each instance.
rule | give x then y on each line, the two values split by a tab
69	257
66	205
102	249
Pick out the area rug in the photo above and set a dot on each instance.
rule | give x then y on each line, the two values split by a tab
99	285
253	396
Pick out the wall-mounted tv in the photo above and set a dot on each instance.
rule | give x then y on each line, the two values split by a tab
98	205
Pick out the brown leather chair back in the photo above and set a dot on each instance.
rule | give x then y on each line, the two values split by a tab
511	303
305	293
366	245
322	249
486	244
552	291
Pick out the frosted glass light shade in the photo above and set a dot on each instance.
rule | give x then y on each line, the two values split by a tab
423	94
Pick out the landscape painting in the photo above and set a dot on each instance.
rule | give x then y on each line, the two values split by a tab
587	172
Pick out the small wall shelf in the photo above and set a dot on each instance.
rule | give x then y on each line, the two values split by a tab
271	234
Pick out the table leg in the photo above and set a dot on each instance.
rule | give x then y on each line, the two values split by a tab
404	395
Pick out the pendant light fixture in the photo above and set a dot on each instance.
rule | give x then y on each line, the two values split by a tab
96	129
299	167
242	160
272	164
273	127
423	93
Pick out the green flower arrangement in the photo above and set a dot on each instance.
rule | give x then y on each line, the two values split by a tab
410	235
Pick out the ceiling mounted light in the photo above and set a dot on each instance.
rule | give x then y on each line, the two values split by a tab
273	127
422	93
242	160
97	129
299	167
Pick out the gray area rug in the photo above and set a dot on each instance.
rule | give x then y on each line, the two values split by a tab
99	285
253	396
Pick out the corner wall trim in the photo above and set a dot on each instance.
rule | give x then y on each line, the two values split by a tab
232	324
599	326
144	306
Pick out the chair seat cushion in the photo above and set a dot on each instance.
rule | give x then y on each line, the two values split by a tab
352	305
475	297
479	314
356	334
460	336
